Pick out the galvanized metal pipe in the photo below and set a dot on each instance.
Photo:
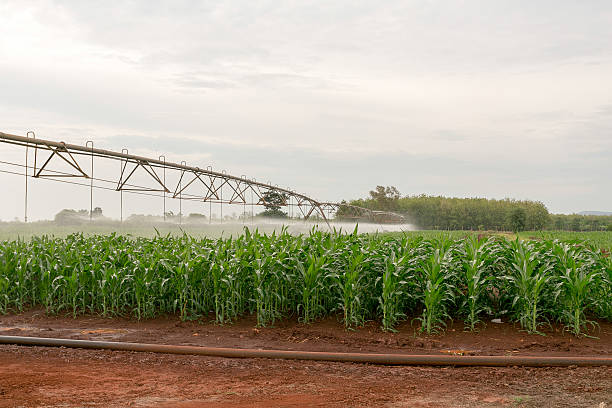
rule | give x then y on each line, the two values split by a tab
124	157
25	141
369	358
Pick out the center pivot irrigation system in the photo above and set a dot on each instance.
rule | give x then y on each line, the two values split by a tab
194	183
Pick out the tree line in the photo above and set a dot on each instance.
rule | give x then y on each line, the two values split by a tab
450	213
577	222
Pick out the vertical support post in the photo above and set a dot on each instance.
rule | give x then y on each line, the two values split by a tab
244	212
123	151
184	163
221	195
209	168
253	204
35	155
276	185
162	157
25	203
91	177
290	205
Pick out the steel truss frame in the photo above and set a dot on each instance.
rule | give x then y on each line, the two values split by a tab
194	183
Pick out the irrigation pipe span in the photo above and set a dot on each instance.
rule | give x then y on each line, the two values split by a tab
384	359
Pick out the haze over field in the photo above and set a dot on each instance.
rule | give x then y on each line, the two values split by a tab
11	231
479	98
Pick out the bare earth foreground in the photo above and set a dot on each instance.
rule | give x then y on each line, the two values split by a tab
58	377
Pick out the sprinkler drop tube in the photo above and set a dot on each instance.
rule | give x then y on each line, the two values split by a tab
369	358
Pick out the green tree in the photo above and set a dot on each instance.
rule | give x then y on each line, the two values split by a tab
518	219
196	217
558	223
437	212
537	215
97	212
575	223
386	198
273	201
71	217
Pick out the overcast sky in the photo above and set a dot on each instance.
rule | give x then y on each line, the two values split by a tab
459	98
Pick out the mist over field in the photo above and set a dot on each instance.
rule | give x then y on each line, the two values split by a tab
216	229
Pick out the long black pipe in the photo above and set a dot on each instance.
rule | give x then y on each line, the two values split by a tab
384	359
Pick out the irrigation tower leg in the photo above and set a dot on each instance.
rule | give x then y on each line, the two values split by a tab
184	163
123	151
162	157
91	181
25	203
180	206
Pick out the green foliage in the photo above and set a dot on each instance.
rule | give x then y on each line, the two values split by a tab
443	213
385	198
479	260
312	287
72	217
434	278
391	285
446	213
273	213
577	222
529	278
599	239
349	282
518	219
603	290
576	272
273	201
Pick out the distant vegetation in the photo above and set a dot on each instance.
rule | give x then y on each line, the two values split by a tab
599	239
74	217
576	222
444	213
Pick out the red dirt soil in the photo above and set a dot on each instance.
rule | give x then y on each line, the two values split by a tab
58	377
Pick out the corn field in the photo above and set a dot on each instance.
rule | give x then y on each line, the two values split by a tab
357	278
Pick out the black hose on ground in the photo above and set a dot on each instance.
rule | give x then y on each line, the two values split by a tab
370	358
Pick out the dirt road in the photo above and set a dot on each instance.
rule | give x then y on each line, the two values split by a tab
51	377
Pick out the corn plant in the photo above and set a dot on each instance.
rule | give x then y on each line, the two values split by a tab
222	290
603	289
576	275
312	280
392	284
356	277
434	279
477	257
350	285
269	288
529	279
